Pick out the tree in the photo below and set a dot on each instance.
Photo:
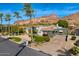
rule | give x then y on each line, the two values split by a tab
28	12
1	16
63	23
8	18
17	16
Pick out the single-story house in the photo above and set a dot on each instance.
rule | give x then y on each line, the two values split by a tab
51	30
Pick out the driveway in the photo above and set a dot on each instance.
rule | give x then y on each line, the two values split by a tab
55	45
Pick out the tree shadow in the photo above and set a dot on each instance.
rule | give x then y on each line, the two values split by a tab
64	53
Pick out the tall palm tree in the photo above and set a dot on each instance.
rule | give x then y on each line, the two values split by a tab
28	12
8	18
17	16
1	16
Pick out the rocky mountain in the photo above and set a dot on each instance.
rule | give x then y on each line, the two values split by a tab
44	19
72	19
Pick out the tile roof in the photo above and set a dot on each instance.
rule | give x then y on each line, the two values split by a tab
48	28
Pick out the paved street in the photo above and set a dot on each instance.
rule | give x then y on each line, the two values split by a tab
56	45
8	48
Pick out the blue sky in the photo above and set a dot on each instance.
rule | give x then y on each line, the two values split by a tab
41	9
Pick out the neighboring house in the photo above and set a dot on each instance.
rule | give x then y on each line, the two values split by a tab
40	32
39	29
50	30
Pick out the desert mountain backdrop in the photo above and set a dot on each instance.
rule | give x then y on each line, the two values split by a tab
71	19
44	19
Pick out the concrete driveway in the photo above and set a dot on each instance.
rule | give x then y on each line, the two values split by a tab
54	46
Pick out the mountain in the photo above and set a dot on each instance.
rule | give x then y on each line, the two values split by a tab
72	19
44	19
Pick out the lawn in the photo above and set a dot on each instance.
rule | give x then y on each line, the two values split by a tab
40	39
16	39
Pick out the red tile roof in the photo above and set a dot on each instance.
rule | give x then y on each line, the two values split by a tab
48	28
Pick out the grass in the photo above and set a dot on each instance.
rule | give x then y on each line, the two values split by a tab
16	39
40	39
75	50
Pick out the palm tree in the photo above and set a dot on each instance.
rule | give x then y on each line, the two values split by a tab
8	18
1	16
16	15
28	12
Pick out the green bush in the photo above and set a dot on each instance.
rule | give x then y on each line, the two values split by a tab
73	37
46	38
72	33
35	31
77	43
29	42
21	31
75	50
40	39
63	23
17	39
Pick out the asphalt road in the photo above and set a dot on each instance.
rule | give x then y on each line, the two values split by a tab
8	48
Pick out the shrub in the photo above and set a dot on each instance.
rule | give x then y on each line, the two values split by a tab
45	34
73	37
17	39
40	39
72	33
63	23
47	38
21	31
35	31
75	50
29	42
76	43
